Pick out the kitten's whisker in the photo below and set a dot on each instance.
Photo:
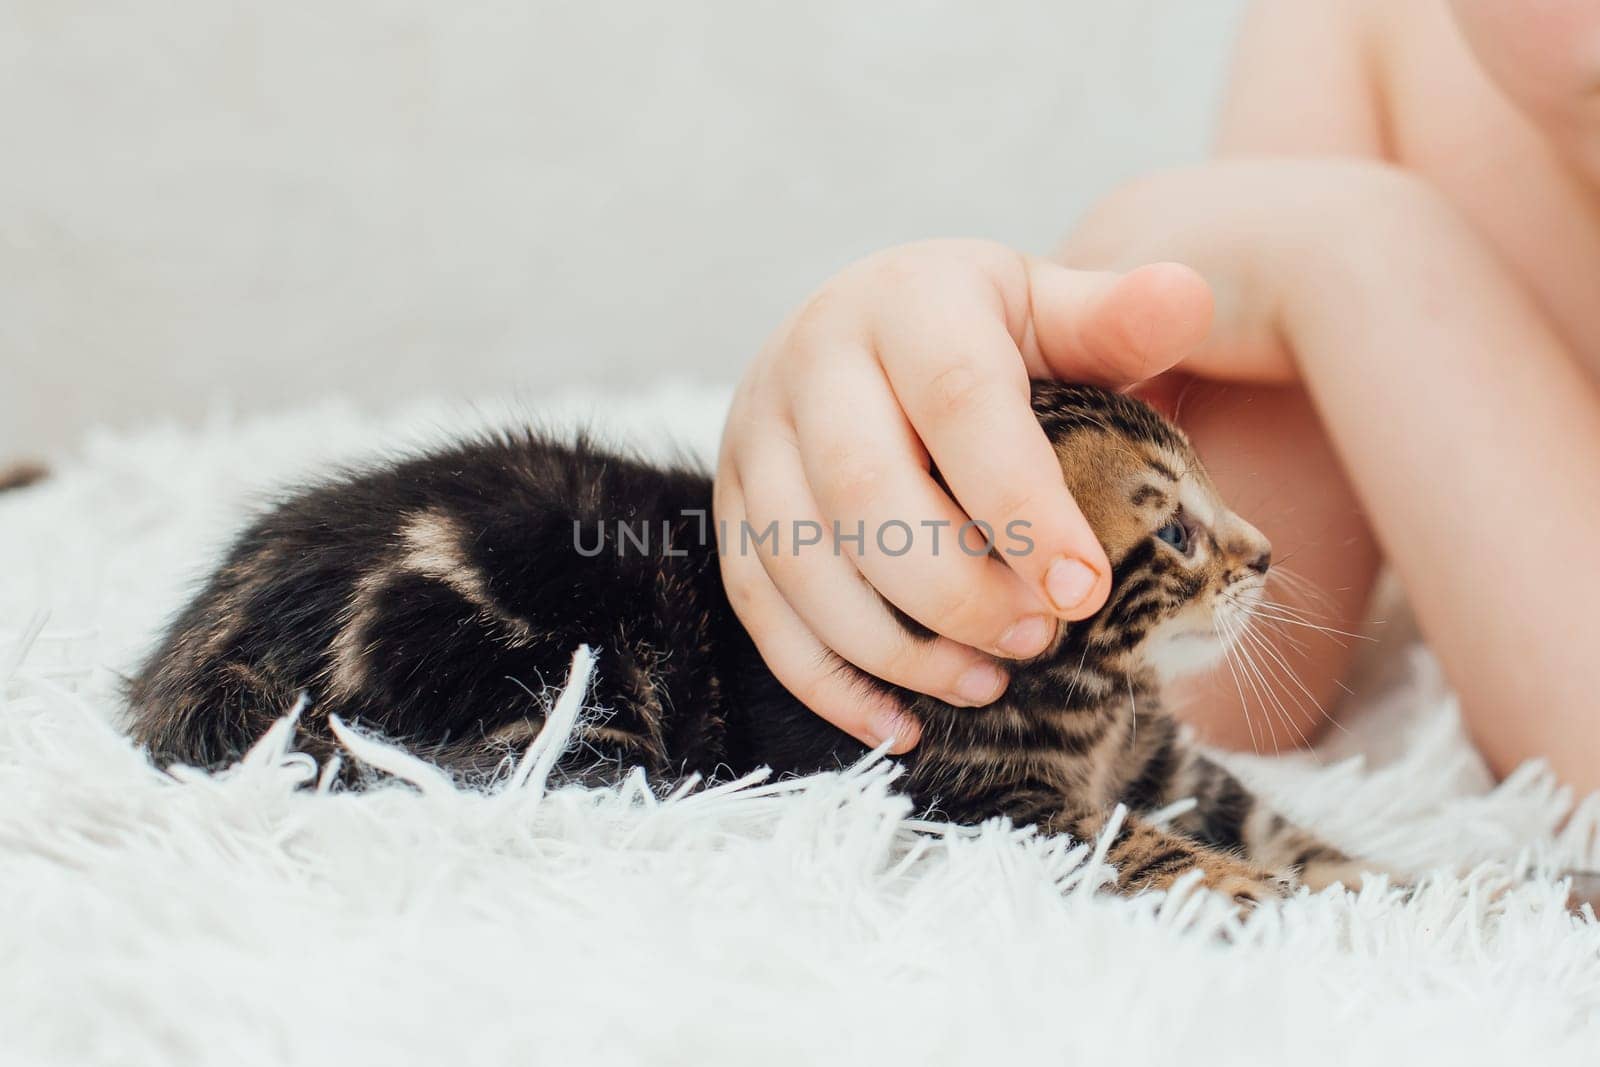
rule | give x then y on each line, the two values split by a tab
1276	657
1270	675
1269	665
1277	630
1315	604
1290	610
1133	720
1295	678
1310	592
1272	611
1336	636
1183	398
1227	658
1320	610
1228	654
1250	642
1265	611
1277	564
1263	688
1252	679
1072	690
1279	668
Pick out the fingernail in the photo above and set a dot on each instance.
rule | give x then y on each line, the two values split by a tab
981	684
1068	583
1028	636
894	726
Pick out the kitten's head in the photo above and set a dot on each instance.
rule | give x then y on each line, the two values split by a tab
1186	570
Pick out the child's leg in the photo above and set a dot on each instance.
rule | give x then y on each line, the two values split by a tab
1267	452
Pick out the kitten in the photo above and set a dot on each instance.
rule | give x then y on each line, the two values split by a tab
424	598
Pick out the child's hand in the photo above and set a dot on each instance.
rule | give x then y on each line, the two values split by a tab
915	354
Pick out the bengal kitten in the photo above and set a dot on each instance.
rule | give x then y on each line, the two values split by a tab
423	599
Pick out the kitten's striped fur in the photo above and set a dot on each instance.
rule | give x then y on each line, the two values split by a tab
427	598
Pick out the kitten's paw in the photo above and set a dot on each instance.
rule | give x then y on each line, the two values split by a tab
1248	891
1245	883
1583	891
1352	874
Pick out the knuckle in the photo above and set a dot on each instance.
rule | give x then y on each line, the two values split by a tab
782	570
853	482
743	581
956	251
905	261
958	611
815	689
807	686
807	336
1012	504
1387	191
808	325
902	662
957	391
726	495
804	674
812	332
1383	179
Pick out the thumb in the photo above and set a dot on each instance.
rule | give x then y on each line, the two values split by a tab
1113	328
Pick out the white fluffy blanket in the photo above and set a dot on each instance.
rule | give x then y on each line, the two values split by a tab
239	919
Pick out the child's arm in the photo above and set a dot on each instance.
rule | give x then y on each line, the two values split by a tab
1470	433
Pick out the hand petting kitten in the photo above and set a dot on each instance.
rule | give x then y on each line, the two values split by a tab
914	357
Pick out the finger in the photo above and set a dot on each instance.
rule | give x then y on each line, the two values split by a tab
868	472
824	588
800	662
1111	328
956	373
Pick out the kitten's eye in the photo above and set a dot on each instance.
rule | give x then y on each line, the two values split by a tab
1175	534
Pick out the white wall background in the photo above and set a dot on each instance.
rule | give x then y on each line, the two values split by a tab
385	198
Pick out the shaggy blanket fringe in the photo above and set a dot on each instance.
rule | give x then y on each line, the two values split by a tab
244	918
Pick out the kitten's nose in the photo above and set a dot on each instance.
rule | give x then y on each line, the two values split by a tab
1262	561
